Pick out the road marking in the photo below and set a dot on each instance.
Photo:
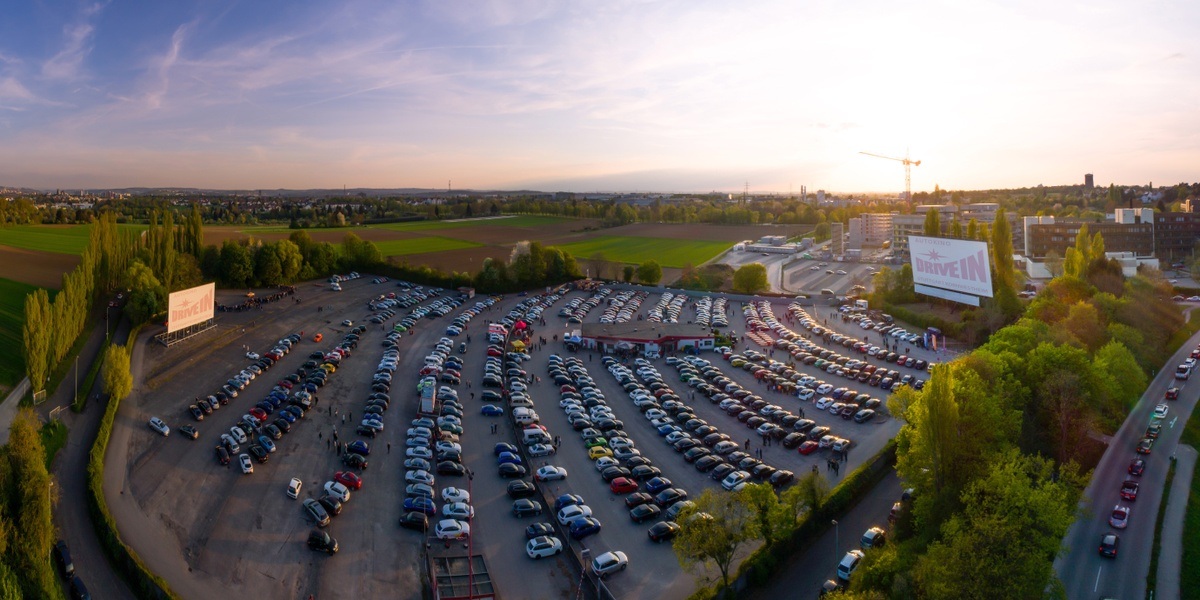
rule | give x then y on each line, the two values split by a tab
1097	586
1172	425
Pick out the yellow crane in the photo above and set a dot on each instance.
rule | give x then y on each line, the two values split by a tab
908	165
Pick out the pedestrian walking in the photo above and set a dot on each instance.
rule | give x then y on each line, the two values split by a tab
389	447
814	468
493	428
836	468
747	443
351	415
318	435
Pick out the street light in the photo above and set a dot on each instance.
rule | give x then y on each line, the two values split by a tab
836	543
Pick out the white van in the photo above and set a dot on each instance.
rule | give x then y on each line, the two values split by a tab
535	436
1183	372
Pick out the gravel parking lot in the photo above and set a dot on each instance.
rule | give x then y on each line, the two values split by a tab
210	530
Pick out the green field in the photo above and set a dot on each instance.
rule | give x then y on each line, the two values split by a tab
60	240
12	315
422	245
668	252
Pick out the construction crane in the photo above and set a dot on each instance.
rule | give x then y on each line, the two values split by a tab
908	165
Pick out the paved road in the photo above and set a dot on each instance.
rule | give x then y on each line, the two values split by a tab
805	571
1087	575
71	515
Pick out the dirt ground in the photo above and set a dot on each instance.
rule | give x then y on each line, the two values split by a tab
43	269
214	235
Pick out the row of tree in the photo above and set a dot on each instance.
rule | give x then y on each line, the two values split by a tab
50	327
26	528
991	445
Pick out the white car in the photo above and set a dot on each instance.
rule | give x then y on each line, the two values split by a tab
418	476
238	434
605	462
425	453
824	403
448	447
453	494
451	529
609	562
734	479
543	546
1160	411
458	510
550	473
337	490
541	450
253	355
158	425
805	394
294	486
246	464
348	323
572	513
824	388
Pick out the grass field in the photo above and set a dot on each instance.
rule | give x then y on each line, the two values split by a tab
54	438
668	252
513	221
59	239
421	245
12	314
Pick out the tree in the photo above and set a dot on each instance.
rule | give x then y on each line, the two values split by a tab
27	502
750	278
147	296
713	530
268	270
809	492
1054	263
237	266
933	223
291	260
928	445
650	272
627	273
1001	544
37	330
1002	252
118	379
769	515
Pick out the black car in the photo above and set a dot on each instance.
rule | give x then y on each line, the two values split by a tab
781	478
356	461
525	507
320	540
637	499
720	471
670	496
663	530
538	530
273	431
1108	545
365	431
197	414
644	512
708	463
521	489
509	470
283	425
222	455
695	454
612	473
332	505
62	558
188	431
79	591
792	440
447	467
415	520
260	453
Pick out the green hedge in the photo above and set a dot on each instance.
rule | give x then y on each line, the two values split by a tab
762	564
144	583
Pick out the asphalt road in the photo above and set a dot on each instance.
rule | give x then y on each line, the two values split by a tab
807	570
1082	570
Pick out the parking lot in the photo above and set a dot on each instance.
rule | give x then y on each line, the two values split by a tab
210	530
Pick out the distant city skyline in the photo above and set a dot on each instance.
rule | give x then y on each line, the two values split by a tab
689	96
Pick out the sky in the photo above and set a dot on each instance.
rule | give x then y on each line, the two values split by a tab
633	96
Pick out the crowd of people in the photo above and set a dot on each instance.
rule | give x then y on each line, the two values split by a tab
253	302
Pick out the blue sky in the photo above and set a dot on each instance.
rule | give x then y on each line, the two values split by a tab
692	95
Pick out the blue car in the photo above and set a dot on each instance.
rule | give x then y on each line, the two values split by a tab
491	410
266	406
581	528
421	504
266	443
310	388
657	485
359	447
508	457
287	416
566	500
665	430
503	447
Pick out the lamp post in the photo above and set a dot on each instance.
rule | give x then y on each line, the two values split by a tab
836	542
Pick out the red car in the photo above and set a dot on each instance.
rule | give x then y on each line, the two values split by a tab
1172	393
1129	489
495	352
348	479
623	485
808	447
259	414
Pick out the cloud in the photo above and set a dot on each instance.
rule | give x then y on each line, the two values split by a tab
67	64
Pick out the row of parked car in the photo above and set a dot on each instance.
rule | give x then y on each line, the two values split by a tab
623	307
711	313
668	308
577	309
